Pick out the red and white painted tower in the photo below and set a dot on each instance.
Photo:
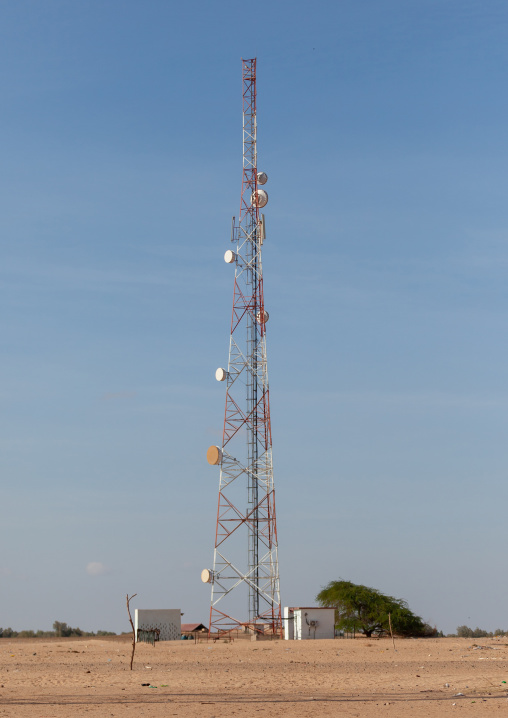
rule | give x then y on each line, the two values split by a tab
245	566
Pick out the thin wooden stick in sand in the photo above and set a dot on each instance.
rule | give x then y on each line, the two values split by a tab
133	633
391	632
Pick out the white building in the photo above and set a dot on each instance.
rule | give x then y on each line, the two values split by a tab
303	623
165	620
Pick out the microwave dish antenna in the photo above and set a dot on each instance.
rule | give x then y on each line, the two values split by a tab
259	198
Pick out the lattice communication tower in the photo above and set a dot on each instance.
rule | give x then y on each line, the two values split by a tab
245	557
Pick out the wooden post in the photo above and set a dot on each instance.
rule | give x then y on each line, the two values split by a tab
391	632
133	632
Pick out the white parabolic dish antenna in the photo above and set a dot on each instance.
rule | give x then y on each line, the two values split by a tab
259	198
206	575
221	374
262	178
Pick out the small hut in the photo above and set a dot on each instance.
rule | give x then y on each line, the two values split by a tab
193	630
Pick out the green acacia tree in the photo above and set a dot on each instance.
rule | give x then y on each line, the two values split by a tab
364	609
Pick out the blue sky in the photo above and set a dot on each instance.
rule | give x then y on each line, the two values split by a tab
382	127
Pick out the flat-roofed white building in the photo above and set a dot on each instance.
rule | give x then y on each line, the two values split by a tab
166	621
303	623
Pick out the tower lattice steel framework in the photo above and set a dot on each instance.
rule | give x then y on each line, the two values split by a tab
245	557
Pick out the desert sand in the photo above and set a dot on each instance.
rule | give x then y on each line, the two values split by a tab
56	678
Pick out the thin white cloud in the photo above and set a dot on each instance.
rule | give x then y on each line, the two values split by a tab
96	568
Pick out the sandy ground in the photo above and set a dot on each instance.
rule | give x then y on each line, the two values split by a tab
57	678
